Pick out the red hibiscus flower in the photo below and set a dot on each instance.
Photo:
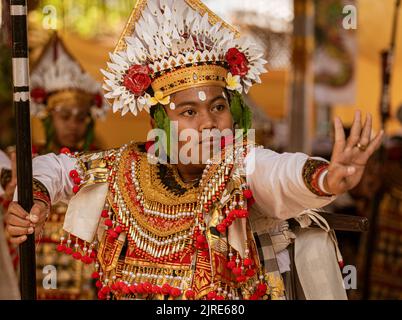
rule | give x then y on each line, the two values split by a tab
38	95
137	79
237	61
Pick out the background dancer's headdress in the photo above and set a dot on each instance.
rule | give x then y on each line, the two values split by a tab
171	45
57	78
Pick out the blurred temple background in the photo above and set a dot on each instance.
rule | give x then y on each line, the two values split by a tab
324	60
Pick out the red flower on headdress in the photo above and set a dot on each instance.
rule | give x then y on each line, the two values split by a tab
38	95
98	100
237	62
137	79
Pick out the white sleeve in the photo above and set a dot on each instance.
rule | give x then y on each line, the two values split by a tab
277	184
53	172
5	164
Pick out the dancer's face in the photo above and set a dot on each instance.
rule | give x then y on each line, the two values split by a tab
70	123
199	109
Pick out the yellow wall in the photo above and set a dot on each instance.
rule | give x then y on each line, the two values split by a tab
373	35
272	95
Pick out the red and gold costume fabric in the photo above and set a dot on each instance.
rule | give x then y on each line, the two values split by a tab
161	238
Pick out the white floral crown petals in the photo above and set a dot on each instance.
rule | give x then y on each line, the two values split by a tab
63	73
169	35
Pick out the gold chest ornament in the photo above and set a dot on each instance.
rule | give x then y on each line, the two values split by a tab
173	241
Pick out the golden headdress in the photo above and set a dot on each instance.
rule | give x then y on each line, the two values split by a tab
171	45
58	78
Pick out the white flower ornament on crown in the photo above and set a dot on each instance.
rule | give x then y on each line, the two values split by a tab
172	45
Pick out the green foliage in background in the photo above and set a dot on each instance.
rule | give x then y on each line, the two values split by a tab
88	18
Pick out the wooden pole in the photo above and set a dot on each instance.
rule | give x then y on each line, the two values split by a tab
301	103
18	10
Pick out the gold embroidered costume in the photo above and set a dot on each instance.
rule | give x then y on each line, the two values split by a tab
151	241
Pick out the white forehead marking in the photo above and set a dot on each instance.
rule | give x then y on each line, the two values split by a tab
172	106
224	94
202	96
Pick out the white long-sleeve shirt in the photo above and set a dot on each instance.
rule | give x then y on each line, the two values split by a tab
275	179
